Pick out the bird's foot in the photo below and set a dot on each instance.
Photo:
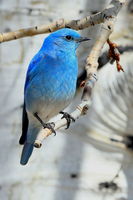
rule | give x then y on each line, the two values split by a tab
45	125
68	118
50	126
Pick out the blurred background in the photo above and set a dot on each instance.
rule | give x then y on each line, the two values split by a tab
93	159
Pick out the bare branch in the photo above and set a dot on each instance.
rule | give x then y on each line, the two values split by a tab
102	61
92	60
80	110
83	23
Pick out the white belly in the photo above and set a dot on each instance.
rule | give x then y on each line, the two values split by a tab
47	110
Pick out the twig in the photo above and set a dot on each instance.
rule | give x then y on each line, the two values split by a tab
102	61
114	54
83	23
92	60
91	69
80	110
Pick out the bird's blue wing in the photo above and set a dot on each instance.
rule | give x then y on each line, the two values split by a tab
32	69
25	121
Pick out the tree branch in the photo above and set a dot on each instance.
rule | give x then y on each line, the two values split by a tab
80	110
102	61
83	23
92	60
91	67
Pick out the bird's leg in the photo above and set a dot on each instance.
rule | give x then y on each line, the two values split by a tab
50	126
45	125
39	119
68	117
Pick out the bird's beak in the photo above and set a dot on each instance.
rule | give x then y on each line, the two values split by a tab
82	39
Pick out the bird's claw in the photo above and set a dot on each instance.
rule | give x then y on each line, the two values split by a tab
68	118
45	125
50	126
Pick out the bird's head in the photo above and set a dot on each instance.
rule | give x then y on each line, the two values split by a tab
65	39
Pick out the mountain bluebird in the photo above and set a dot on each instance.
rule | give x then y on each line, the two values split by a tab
50	85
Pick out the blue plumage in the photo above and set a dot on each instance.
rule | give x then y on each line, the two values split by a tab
50	83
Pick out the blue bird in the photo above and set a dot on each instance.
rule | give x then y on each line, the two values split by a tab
50	85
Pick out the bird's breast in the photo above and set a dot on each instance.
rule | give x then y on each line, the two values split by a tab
54	85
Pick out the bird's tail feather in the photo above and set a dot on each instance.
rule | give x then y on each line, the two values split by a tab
26	153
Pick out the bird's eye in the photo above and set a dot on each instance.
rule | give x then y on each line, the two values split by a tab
69	37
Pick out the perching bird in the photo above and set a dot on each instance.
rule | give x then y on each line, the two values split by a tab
50	84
